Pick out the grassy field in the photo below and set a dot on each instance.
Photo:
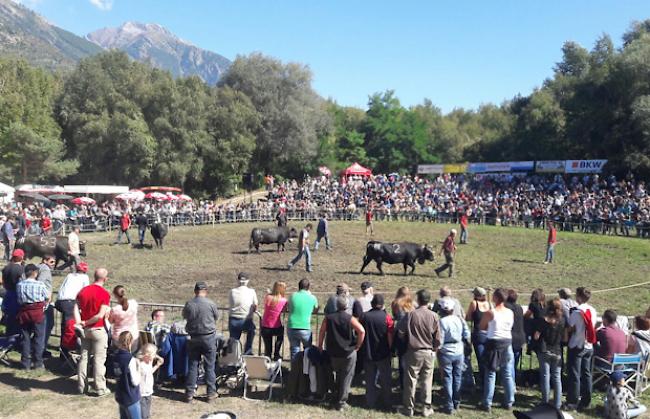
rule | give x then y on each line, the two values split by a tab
495	256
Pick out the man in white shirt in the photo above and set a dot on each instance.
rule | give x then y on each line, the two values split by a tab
303	249
243	304
67	295
580	353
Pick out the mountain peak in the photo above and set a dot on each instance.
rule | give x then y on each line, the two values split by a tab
153	43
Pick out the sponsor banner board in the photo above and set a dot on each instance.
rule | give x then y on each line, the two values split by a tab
522	166
550	166
584	166
430	168
455	168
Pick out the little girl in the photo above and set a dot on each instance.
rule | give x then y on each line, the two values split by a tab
149	364
128	378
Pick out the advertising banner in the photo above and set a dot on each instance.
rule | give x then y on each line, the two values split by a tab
584	166
522	166
425	169
549	166
455	168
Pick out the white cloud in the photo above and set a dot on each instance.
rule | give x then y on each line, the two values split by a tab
104	5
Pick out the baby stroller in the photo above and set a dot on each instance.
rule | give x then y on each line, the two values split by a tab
230	363
8	344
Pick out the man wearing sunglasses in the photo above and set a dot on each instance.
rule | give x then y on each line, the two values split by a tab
45	277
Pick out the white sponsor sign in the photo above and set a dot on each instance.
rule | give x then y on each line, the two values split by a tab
430	168
550	166
584	166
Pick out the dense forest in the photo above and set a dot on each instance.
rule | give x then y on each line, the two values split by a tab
113	120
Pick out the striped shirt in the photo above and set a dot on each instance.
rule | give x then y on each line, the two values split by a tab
30	291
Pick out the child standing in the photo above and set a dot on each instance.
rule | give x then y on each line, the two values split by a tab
128	379
149	364
618	397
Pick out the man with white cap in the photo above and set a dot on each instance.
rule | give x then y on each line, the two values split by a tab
454	339
243	304
449	249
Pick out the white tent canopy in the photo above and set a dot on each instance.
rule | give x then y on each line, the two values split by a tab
6	193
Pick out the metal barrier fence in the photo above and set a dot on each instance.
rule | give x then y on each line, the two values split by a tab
605	227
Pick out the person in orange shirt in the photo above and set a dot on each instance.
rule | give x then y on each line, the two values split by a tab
550	243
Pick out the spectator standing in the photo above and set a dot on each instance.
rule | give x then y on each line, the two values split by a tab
445	292
449	249
518	331
534	316
611	339
45	277
303	249
11	275
475	312
148	365
302	305
454	339
342	290
323	232
582	323
363	303
400	307
549	335
243	305
8	236
274	305
639	340
338	333
378	342
420	331
127	393
124	317
125	223
93	305
68	291
369	224
46	225
201	314
32	297
567	302
498	355
550	243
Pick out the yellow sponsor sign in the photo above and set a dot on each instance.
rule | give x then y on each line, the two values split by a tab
455	168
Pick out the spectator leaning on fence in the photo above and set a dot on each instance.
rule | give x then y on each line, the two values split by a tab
243	305
271	324
302	305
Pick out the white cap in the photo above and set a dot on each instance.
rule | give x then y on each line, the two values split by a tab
447	304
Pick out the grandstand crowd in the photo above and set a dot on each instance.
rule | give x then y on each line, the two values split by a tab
589	203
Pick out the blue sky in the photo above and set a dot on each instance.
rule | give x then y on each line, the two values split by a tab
456	53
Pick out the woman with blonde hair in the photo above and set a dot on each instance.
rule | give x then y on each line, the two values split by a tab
124	317
274	305
401	306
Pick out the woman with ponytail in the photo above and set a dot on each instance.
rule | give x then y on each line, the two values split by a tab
124	317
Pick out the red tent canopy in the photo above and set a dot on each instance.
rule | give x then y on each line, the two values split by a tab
357	170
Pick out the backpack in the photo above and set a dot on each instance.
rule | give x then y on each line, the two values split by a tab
590	330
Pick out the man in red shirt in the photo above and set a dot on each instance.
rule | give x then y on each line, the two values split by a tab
46	225
125	223
463	226
369	226
449	249
93	305
550	244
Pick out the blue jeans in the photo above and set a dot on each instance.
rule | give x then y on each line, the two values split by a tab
463	235
130	412
550	372
507	379
579	376
297	337
478	342
452	372
515	364
141	232
305	251
550	252
237	326
319	237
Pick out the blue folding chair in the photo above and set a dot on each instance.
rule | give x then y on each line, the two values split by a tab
631	365
8	344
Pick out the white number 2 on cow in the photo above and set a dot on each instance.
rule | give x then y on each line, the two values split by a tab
396	247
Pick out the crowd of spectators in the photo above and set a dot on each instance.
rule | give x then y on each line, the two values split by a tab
589	203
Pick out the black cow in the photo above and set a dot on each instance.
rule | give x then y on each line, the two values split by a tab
159	231
37	246
278	235
405	253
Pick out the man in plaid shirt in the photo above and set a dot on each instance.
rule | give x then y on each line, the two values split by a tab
32	297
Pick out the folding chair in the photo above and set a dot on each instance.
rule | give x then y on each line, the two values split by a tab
628	364
644	377
261	368
8	344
